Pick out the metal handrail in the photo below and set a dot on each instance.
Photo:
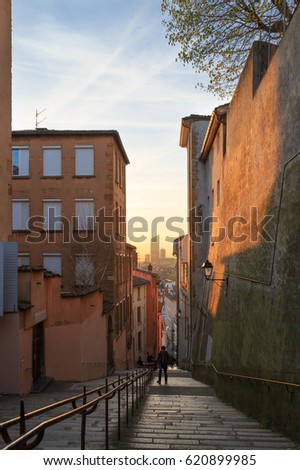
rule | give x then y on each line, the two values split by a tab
259	379
24	441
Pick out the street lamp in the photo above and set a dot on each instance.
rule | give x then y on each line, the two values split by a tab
208	270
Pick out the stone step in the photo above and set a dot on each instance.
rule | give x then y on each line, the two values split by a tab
185	414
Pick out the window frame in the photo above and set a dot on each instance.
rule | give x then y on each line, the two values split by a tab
23	255
53	256
46	160
20	226
86	224
81	166
20	165
85	269
139	314
57	224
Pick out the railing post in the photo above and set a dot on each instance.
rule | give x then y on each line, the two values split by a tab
22	418
142	388
127	417
143	385
83	421
132	395
106	416
119	409
137	390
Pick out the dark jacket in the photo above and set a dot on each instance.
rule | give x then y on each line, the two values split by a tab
163	358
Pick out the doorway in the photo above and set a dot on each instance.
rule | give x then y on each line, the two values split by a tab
38	352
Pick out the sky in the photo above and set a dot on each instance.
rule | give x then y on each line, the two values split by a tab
106	64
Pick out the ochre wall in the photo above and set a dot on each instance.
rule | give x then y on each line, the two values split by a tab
254	323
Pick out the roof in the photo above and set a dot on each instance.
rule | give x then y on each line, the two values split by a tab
138	281
151	273
218	116
186	124
43	131
79	294
37	268
31	268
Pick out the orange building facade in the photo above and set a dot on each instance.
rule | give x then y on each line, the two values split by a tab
69	216
153	316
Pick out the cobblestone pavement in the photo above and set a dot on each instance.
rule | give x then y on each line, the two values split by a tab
185	414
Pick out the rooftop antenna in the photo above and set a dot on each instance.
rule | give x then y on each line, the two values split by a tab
37	122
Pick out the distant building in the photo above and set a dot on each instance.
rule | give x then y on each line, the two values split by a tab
155	249
153	324
140	318
169	323
147	259
162	253
183	307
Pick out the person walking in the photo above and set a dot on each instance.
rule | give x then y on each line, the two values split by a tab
162	362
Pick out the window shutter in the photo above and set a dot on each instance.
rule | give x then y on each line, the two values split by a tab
52	215
84	161
52	162
23	259
24	162
84	270
52	263
20	215
85	215
16	215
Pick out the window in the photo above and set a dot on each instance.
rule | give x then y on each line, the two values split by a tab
20	161
52	214
184	274
84	270
52	161
139	340
224	138
84	157
52	262
117	176
84	214
23	259
20	214
139	315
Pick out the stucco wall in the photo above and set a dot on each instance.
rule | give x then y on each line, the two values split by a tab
9	354
254	324
75	333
